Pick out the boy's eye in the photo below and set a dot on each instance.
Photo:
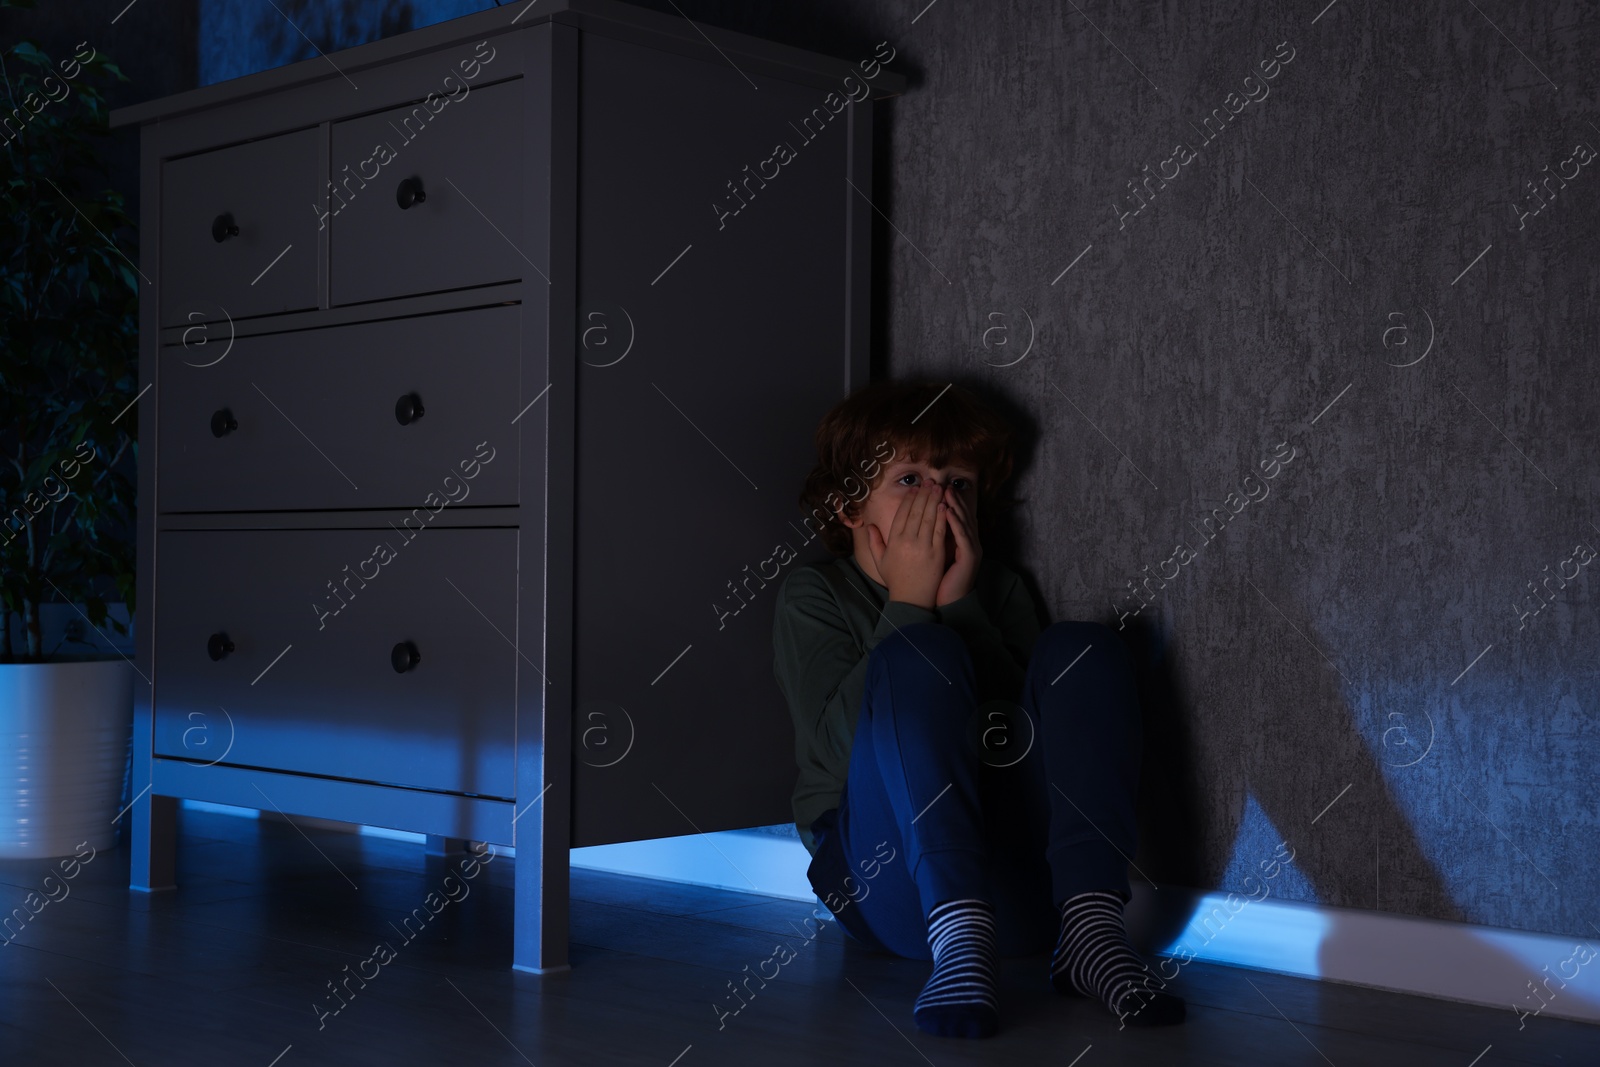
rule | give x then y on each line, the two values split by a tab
955	483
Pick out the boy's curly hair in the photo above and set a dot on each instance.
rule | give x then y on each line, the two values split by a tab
887	421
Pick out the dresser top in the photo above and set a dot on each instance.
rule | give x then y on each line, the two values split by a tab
605	17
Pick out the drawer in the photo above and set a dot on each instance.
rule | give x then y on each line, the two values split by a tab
239	230
309	685
313	419
466	157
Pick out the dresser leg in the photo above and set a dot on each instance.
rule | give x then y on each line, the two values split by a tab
439	845
153	843
539	921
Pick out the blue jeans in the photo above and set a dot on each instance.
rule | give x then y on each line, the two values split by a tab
1023	806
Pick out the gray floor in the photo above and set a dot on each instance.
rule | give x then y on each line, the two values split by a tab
227	970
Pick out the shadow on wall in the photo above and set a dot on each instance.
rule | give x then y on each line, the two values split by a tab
1277	749
1243	725
1201	763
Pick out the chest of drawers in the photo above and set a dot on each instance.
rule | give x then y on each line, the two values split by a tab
480	366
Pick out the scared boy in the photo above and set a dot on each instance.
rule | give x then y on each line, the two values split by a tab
966	780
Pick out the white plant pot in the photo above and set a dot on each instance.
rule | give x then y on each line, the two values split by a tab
65	731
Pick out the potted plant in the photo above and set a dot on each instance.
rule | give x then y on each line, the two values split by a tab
68	303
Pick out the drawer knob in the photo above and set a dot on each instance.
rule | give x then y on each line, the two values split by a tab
223	423
409	193
218	646
223	227
408	409
404	657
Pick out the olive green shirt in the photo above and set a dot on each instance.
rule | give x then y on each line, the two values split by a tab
830	615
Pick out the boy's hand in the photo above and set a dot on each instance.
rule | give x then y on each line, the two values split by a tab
911	558
963	573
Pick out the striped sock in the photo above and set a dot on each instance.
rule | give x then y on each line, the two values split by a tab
959	999
1093	959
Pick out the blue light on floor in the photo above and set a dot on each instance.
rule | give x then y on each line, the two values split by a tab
745	860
